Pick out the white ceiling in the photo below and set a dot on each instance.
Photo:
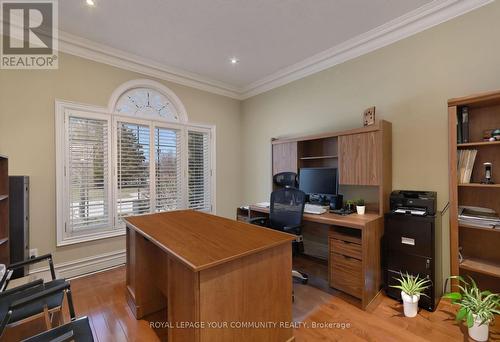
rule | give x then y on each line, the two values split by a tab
200	36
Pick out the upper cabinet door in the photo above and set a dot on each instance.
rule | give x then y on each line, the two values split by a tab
285	157
358	159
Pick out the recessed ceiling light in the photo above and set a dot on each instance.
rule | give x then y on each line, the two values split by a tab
234	60
90	2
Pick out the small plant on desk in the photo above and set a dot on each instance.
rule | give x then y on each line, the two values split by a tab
411	289
349	205
360	206
477	308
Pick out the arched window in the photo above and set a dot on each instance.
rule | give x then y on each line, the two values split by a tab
147	99
140	155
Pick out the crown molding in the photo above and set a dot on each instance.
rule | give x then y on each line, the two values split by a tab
418	20
87	49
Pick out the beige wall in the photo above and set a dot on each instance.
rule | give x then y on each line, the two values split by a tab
409	82
27	136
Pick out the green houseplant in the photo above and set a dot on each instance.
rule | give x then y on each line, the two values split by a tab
360	206
412	287
349	204
477	308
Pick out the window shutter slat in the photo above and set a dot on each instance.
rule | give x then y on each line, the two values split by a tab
199	192
168	169
133	191
88	174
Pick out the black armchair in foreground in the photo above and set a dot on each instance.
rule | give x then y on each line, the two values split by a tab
285	214
77	330
33	300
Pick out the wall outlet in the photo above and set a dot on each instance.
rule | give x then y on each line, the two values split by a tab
33	253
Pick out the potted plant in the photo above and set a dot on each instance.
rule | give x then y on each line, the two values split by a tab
360	206
411	288
477	308
349	205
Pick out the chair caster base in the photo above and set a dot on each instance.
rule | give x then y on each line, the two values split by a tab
299	275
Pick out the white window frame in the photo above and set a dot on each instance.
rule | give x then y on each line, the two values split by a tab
62	111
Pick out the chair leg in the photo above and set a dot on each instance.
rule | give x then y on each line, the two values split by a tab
57	317
46	317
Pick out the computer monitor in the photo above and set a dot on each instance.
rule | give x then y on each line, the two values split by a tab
318	181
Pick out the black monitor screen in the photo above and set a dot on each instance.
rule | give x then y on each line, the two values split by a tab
318	180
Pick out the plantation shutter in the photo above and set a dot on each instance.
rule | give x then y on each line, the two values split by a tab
199	171
133	173
168	173
87	171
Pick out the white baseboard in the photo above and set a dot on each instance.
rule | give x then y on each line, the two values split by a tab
79	267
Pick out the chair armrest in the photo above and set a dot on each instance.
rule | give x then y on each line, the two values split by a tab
21	288
293	229
259	221
30	261
69	336
34	261
40	295
5	279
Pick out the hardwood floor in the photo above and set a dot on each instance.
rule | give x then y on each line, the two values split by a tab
102	297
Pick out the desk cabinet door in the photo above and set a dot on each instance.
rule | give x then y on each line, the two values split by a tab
359	158
285	157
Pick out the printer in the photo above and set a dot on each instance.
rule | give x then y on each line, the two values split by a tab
417	203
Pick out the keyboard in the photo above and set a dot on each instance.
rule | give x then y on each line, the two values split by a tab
314	209
343	211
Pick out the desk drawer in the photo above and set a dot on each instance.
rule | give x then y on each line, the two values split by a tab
346	274
345	234
346	248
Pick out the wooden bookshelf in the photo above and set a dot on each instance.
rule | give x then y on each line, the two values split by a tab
478	246
479	185
4	210
468	226
318	157
479	144
481	266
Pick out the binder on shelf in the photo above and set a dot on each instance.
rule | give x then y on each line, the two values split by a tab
465	124
459	127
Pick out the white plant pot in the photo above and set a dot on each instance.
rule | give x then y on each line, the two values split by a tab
410	304
479	332
360	209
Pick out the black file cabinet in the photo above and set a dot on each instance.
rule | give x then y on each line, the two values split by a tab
413	244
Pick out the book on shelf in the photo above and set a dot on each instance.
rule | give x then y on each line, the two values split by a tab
478	217
466	159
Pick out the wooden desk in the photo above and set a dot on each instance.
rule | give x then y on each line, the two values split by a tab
352	221
354	260
212	274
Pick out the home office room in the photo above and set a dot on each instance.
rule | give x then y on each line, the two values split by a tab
249	171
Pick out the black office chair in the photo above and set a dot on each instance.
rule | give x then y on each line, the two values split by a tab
286	211
14	310
285	180
77	330
33	300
